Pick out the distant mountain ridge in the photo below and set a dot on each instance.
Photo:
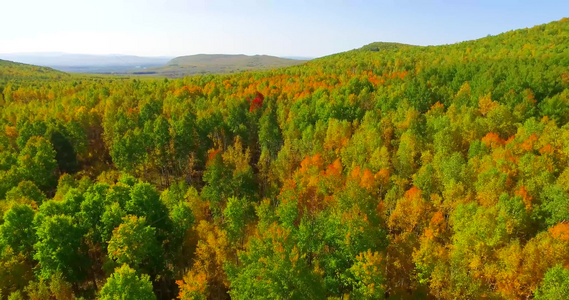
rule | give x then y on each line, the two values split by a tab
218	63
160	66
86	63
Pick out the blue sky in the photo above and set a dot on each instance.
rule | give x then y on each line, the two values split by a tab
282	28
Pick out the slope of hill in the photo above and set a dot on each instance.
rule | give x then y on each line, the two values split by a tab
218	63
11	70
437	172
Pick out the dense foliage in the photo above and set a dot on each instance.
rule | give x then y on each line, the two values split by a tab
389	171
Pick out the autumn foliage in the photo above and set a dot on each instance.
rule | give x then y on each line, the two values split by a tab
257	103
411	172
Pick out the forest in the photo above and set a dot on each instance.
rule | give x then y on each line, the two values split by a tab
391	171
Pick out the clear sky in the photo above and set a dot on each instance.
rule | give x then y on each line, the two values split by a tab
283	28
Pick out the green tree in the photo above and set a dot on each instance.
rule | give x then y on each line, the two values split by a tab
134	243
555	284
182	218
236	216
216	177
125	284
273	267
37	163
29	129
554	205
110	219
17	231
128	151
91	210
161	136
145	202
185	137
59	248
26	192
269	133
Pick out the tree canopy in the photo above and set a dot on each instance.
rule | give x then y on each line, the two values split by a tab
390	171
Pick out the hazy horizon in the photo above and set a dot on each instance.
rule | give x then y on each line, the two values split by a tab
54	53
291	29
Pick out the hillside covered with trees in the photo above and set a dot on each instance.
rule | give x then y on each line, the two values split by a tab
201	64
391	171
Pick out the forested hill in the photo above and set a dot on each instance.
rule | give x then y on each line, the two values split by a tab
380	46
408	172
11	70
218	64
